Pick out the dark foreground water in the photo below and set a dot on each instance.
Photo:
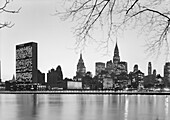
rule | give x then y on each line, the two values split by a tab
83	107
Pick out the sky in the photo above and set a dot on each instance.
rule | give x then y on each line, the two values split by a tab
36	23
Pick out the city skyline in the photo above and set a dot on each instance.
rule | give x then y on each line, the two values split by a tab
36	23
149	69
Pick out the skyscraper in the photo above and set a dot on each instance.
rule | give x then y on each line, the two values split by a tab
26	62
167	74
149	68
154	72
116	57
81	69
117	66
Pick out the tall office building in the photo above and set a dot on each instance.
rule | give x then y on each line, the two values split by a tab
81	69
118	66
26	62
116	57
154	72
149	68
167	74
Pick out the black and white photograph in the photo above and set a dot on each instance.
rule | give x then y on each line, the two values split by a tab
84	59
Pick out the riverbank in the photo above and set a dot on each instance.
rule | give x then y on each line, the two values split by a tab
85	92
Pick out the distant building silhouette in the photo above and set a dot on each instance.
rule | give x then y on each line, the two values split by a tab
115	72
121	68
150	79
99	67
109	66
116	60
167	74
149	68
41	77
52	77
87	81
81	69
136	77
154	72
55	77
135	68
108	82
13	78
116	57
103	80
159	79
116	67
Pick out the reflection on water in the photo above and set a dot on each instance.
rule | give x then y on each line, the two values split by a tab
166	108
83	107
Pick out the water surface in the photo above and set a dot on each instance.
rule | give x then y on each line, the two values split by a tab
83	107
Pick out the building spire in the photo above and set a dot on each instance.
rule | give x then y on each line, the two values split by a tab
81	56
81	59
13	77
116	57
116	49
81	69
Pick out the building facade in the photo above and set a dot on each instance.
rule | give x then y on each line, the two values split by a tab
99	67
81	69
121	68
116	57
26	62
149	68
150	79
55	78
167	74
108	82
136	78
109	66
116	67
41	77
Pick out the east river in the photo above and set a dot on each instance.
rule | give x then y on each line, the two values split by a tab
84	107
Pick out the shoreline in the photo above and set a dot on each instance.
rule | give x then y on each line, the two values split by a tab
86	92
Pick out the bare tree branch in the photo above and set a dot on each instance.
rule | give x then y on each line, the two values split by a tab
4	9
131	6
114	16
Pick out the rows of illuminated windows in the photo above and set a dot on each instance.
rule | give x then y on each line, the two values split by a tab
24	76
24	52
24	65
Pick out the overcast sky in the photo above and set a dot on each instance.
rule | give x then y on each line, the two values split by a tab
56	40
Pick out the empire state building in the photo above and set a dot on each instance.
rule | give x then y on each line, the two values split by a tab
81	69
